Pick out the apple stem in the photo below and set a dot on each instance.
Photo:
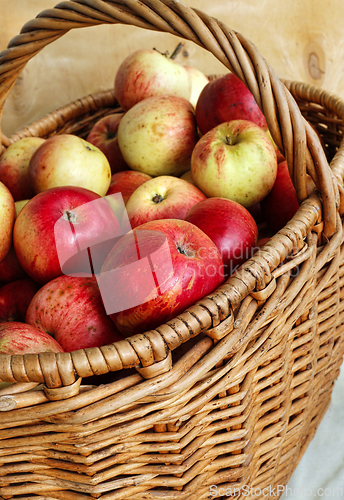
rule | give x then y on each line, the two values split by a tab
174	53
177	50
229	140
181	250
157	198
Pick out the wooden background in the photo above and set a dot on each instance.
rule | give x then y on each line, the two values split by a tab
302	40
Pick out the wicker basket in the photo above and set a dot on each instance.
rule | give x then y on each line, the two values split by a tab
226	396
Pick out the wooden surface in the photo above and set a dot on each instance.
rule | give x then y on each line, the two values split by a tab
302	41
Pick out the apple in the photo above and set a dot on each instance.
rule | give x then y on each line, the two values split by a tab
15	298
158	134
235	160
224	99
281	204
10	268
14	167
163	197
198	81
20	338
279	156
187	176
70	309
69	160
146	73
256	212
18	205
126	182
156	271
60	229
7	217
230	226
103	135
262	241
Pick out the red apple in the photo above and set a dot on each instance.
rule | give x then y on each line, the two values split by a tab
20	338
164	197
69	160
279	155
10	268
225	99
281	204
262	241
103	134
156	271
235	160
70	309
14	167
158	134
230	226
146	73
256	212
7	217
126	182
56	228
15	298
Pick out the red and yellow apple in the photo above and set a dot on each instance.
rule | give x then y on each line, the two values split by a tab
146	73
69	160
157	135
156	271
14	167
66	230
103	135
20	338
164	197
70	309
7	218
235	160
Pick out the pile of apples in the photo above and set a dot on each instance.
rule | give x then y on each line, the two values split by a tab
114	235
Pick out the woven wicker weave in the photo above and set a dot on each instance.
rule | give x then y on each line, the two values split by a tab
228	394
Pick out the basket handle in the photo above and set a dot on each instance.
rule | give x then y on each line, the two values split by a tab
289	129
